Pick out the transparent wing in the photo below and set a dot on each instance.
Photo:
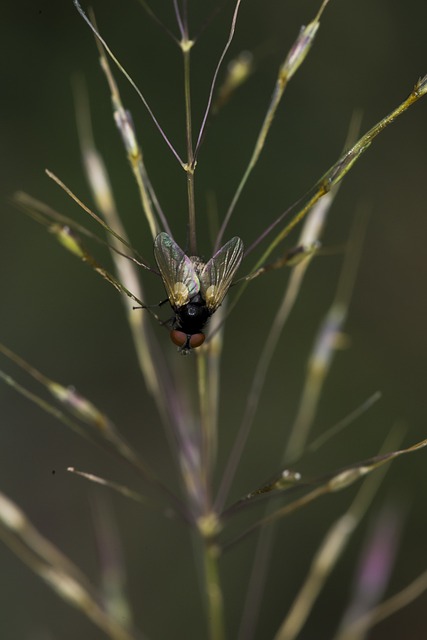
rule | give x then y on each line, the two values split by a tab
218	273
177	271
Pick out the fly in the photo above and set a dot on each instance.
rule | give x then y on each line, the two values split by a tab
195	290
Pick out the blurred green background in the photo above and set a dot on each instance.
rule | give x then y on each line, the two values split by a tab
63	319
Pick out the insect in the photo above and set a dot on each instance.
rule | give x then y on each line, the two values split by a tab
195	290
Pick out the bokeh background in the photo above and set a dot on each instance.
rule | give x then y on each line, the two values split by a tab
63	319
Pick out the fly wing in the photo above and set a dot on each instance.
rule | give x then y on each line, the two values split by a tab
177	271
218	273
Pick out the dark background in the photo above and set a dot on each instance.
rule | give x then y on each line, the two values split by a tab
67	322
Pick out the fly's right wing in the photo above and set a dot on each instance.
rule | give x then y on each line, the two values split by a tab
177	271
218	273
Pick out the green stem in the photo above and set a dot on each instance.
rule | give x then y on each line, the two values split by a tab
206	448
186	45
293	60
340	169
215	610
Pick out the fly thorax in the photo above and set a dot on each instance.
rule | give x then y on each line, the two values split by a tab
198	264
193	316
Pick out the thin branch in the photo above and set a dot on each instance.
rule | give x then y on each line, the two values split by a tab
183	28
293	60
311	232
332	483
218	67
339	170
93	215
331	549
129	79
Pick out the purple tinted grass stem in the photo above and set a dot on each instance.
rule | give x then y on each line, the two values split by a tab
185	16
374	571
182	24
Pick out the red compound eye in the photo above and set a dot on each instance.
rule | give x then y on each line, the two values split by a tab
180	339
196	340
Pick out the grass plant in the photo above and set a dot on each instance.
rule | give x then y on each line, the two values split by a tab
199	494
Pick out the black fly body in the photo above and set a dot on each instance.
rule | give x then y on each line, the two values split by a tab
195	289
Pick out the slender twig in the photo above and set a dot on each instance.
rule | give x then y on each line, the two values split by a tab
43	214
109	440
208	376
181	25
127	131
331	178
311	232
213	83
326	344
215	603
265	542
340	169
293	60
332	547
186	46
330	484
342	424
92	214
129	79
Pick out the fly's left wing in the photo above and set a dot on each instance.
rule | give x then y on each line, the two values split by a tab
177	271
217	274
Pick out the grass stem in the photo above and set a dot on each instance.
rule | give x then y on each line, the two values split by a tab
186	45
215	603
